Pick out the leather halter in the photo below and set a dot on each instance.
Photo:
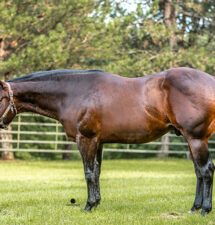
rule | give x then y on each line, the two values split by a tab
11	107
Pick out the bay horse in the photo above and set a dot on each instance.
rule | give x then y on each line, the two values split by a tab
95	107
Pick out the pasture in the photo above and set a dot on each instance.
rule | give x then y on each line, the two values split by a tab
148	191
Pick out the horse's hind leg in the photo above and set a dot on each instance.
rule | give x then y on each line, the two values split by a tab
88	148
207	173
204	171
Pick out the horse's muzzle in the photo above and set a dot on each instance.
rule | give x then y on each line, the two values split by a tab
3	126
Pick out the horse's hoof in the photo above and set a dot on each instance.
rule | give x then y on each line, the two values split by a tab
205	211
191	211
89	206
98	201
194	209
87	209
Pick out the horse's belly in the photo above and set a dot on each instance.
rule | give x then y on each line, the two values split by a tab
141	132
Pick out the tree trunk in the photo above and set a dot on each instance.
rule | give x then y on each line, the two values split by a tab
7	145
170	14
164	148
4	52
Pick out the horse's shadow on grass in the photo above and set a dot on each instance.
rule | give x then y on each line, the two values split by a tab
73	205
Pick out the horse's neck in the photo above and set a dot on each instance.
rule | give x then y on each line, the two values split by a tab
37	97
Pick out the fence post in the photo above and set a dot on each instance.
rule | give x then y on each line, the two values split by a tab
56	136
18	132
164	148
6	144
66	156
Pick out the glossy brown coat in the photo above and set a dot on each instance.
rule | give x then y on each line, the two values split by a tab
96	107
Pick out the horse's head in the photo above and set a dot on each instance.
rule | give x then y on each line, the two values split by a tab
7	106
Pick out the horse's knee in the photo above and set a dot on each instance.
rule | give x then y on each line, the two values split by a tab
89	176
207	171
199	151
197	171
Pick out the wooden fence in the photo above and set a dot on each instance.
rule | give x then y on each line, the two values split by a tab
34	133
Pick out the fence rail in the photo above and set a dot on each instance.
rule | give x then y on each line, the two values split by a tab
34	133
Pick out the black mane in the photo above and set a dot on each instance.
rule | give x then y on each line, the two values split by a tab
51	75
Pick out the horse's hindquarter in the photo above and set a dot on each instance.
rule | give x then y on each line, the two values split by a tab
191	101
132	110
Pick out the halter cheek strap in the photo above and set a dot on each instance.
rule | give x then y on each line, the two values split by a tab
11	107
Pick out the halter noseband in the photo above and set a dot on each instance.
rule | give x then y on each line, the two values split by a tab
11	107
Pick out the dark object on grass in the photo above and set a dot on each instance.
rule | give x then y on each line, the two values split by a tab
96	107
72	201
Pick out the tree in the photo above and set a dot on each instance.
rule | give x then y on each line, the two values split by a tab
169	15
46	35
4	52
161	34
43	35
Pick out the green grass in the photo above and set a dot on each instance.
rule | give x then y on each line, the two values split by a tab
133	192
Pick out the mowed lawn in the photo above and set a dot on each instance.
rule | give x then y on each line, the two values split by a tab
148	191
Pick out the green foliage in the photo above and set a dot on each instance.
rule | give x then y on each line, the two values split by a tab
104	34
47	35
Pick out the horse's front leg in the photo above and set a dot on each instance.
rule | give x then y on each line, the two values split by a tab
88	148
199	190
97	173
